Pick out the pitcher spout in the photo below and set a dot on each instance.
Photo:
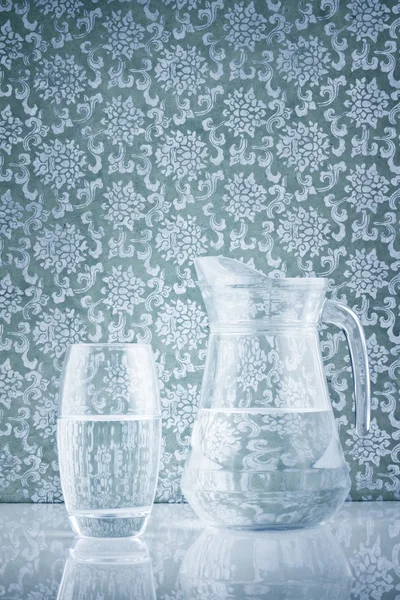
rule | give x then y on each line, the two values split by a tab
237	295
219	270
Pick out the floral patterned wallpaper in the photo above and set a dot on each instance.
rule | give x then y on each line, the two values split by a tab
135	136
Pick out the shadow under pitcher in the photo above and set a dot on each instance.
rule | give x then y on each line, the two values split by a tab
109	437
265	451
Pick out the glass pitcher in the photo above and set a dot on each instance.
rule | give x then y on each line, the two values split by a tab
265	451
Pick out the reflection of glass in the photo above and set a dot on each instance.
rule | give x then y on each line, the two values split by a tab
274	565
109	434
265	450
108	569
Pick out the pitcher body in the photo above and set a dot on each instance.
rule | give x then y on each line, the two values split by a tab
265	449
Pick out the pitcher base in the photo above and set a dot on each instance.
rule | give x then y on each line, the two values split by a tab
275	510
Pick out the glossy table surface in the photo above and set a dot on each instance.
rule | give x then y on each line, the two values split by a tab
355	555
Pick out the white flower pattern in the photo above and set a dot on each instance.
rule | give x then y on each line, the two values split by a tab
10	130
371	448
60	79
252	364
181	70
377	357
137	136
367	274
304	232
182	325
179	407
124	206
55	330
10	466
10	45
245	113
10	384
181	240
60	8
10	299
60	164
245	198
62	248
182	155
294	393
245	26
124	291
367	18
124	34
123	121
367	102
11	214
306	61
303	146
367	189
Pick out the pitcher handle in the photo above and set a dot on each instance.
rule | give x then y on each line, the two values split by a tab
342	316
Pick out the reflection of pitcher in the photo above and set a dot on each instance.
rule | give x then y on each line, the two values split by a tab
265	449
306	564
108	569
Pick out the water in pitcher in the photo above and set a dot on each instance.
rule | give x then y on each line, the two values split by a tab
109	469
260	466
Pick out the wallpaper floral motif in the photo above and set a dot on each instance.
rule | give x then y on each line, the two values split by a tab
135	136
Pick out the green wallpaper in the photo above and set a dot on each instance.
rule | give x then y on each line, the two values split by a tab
135	136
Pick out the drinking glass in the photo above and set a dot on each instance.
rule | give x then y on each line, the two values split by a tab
109	437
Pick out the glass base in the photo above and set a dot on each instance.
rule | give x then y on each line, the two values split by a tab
109	525
263	510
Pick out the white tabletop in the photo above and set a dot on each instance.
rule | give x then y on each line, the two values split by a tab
356	555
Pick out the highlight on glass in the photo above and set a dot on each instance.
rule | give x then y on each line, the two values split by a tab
109	438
